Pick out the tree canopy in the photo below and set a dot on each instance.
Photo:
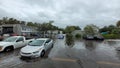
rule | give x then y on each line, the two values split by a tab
41	26
69	29
108	28
91	29
118	24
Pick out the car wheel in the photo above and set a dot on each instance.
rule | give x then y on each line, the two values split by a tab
8	49
42	53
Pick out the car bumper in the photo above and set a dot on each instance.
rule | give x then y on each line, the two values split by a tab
29	55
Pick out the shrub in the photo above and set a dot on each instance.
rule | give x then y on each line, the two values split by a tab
111	36
78	36
69	39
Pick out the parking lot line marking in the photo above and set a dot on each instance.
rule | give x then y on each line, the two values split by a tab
108	63
64	59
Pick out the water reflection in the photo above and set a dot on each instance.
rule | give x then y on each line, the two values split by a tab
118	54
111	43
69	41
34	59
90	45
10	53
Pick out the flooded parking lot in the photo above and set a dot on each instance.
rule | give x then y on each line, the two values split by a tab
84	54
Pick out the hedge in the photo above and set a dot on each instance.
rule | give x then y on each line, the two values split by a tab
111	36
78	36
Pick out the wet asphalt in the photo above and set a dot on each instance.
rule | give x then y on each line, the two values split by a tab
84	54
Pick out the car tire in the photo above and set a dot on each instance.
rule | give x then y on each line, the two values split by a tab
42	53
7	49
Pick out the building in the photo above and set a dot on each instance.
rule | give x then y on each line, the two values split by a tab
54	32
28	30
17	29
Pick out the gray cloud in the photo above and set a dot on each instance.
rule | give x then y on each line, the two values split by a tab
63	12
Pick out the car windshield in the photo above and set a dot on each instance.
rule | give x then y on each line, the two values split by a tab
36	43
10	39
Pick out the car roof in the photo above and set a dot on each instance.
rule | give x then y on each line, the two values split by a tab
42	39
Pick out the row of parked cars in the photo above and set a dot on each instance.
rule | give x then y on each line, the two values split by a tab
31	47
93	37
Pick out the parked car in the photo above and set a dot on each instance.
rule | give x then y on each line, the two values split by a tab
6	35
36	48
89	37
60	36
13	34
13	42
98	37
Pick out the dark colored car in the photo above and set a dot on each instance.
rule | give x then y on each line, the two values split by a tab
95	37
88	37
98	38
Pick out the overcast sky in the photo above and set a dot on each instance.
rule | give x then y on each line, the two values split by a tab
63	12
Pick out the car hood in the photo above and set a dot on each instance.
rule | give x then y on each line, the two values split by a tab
30	49
6	43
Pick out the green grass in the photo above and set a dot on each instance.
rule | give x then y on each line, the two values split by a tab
111	36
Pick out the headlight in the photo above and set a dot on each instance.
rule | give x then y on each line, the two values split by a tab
36	52
1	47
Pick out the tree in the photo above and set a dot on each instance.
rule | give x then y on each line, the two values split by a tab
115	31
78	36
5	20
30	24
118	24
104	29
91	29
77	27
69	39
13	21
47	26
70	29
110	29
22	22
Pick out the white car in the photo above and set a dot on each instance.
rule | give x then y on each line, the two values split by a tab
37	48
13	42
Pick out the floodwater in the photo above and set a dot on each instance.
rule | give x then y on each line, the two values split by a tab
84	54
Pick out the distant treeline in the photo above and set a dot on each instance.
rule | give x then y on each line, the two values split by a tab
40	26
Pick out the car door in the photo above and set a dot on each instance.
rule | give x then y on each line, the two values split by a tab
50	43
19	42
47	44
